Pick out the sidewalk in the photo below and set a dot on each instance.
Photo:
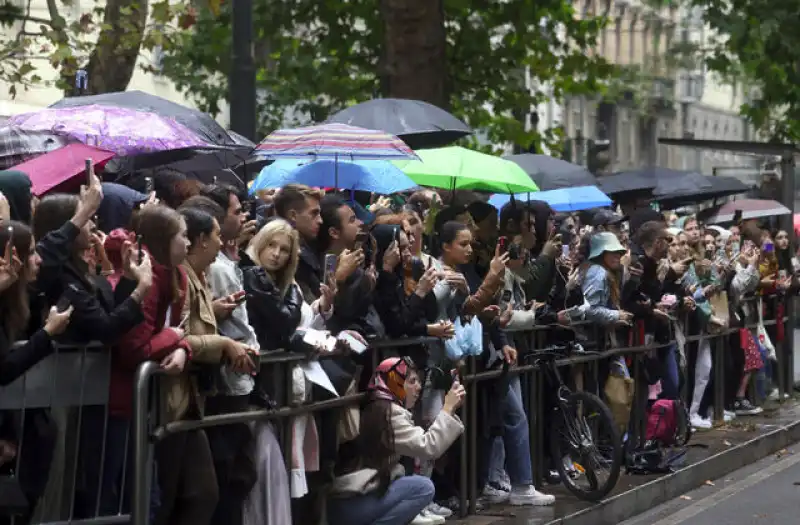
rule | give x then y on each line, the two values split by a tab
729	447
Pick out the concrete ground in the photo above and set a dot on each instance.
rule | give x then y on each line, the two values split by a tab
707	444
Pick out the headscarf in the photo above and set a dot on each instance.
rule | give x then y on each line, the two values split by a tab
388	380
16	186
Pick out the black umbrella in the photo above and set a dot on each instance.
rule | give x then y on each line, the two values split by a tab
652	180
419	124
193	119
241	140
550	173
719	187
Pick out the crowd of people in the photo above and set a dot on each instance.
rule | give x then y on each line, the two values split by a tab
208	283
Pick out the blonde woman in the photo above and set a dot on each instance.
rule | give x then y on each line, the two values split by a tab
276	310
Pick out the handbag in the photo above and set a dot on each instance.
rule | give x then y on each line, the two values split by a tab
763	336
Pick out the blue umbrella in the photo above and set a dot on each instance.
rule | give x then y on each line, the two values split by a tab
564	199
378	176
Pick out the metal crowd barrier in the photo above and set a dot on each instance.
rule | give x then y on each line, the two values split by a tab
72	384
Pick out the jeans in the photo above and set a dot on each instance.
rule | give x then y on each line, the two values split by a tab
403	500
513	450
670	379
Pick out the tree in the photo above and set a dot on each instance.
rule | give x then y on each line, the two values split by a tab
106	41
757	45
469	56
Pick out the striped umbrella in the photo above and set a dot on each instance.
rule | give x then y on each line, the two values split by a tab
334	141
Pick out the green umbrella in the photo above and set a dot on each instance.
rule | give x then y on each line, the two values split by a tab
457	168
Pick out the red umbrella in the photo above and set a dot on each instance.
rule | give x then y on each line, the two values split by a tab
61	168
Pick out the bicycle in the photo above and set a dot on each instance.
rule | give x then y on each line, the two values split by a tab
580	453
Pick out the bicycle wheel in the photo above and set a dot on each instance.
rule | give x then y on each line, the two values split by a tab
586	444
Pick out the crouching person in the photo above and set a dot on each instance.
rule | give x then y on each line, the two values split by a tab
371	486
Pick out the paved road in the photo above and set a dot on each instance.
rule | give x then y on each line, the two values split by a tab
766	492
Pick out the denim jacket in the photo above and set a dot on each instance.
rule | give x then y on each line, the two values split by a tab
598	295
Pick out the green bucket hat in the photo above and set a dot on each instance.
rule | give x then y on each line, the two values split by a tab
605	242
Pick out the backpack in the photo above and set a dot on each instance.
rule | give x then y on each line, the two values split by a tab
667	423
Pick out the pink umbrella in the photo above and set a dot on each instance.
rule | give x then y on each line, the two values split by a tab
61	169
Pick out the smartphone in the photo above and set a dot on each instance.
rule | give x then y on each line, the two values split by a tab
63	303
503	243
513	252
330	267
397	236
88	167
354	344
149	185
768	247
417	268
506	296
565	250
252	211
139	247
737	216
239	297
455	375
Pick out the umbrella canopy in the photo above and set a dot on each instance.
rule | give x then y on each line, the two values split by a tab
651	180
720	186
378	176
200	123
334	141
457	168
419	124
59	168
565	199
123	131
241	140
550	173
750	208
18	145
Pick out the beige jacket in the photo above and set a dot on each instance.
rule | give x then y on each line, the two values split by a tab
410	441
182	391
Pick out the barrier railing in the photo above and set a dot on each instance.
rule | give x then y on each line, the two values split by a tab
72	385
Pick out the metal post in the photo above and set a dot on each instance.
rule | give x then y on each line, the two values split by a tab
242	77
142	447
787	223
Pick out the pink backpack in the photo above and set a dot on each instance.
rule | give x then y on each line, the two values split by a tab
662	421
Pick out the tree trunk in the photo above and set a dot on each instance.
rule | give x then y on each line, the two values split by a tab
113	59
414	64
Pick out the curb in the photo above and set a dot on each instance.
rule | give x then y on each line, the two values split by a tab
628	504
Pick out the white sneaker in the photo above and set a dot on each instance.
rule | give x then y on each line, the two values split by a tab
437	510
528	495
433	518
700	423
728	416
775	395
495	495
422	519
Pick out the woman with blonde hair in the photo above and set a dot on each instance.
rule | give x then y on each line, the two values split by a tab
276	310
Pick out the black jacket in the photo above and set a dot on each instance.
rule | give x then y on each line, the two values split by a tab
274	319
402	316
100	314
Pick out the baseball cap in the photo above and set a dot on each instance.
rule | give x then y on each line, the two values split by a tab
607	217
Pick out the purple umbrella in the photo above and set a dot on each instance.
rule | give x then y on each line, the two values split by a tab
121	130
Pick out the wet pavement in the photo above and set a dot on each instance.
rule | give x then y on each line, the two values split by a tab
702	445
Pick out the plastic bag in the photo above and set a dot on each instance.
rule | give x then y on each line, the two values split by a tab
467	341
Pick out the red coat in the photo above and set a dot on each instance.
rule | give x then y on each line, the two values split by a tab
148	340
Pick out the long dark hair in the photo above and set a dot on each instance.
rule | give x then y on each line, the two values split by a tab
14	302
158	225
376	440
51	214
